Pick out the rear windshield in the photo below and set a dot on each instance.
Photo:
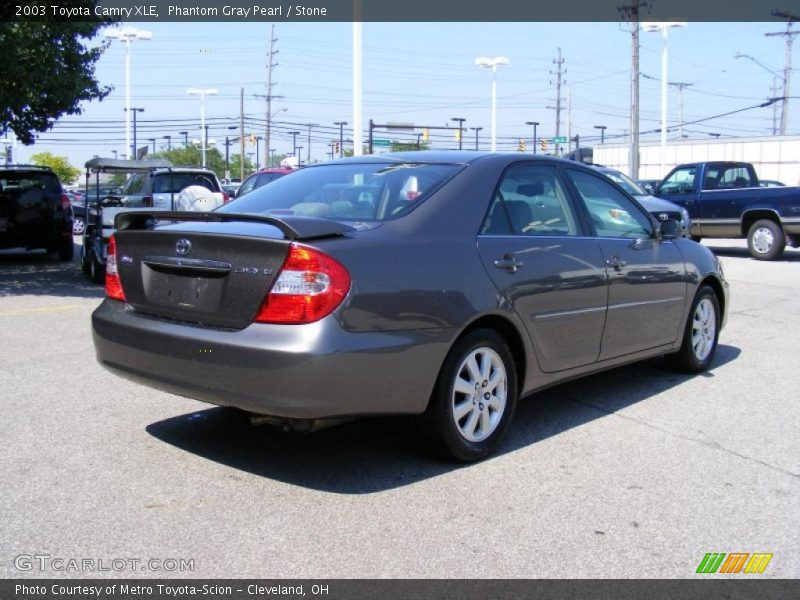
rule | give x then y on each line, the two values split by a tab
359	192
165	183
13	182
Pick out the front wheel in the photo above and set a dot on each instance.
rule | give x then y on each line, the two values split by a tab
765	240
701	334
474	398
78	226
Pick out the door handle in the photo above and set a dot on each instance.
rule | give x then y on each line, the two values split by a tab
616	262
508	263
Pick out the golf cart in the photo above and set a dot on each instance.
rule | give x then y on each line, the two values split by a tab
100	214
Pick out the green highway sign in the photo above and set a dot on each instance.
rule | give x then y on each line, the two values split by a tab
381	142
559	140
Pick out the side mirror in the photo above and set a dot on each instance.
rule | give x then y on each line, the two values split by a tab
669	229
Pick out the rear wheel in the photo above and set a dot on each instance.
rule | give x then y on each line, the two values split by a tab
700	335
97	270
78	226
765	240
474	398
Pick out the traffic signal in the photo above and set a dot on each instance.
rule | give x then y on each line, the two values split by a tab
521	145
543	145
458	134
336	147
426	133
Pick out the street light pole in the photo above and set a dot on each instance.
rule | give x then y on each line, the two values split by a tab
134	110
492	63
258	139
152	141
341	125
203	93
535	125
127	36
185	135
169	142
460	122
476	130
294	145
602	129
663	27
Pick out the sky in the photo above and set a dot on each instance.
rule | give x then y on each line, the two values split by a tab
424	73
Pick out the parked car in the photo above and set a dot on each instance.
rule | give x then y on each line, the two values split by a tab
34	210
260	178
231	188
725	200
659	208
648	185
770	183
441	284
161	187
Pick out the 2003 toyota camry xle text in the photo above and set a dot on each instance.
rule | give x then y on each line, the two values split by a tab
440	284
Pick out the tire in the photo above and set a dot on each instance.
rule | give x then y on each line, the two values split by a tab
468	424
78	226
765	240
97	270
699	339
85	266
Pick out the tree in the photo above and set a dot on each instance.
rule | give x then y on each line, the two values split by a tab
47	69
60	165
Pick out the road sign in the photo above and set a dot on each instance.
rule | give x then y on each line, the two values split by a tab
559	140
381	142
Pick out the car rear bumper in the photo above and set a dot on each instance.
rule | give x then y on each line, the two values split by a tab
313	371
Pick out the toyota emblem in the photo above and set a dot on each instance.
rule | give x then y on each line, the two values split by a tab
661	217
183	247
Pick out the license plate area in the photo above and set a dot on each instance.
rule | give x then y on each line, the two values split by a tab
188	292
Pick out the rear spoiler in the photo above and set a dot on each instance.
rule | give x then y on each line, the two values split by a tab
294	228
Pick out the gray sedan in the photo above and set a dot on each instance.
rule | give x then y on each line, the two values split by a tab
441	284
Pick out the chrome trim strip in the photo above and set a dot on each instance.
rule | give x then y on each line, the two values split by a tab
644	303
567	313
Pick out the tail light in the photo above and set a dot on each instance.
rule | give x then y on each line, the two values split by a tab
113	283
225	198
65	203
147	201
309	286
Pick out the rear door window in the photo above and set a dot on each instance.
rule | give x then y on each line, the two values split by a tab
165	183
530	201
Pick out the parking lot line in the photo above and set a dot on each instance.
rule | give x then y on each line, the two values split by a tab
34	311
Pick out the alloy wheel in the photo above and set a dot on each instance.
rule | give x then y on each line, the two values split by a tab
479	394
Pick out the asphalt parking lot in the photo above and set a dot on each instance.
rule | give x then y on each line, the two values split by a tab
638	472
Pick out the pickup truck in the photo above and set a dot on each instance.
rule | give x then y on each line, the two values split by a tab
725	200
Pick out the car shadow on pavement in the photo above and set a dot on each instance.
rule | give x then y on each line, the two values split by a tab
378	454
40	274
787	256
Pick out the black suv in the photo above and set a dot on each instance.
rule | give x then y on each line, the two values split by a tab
34	211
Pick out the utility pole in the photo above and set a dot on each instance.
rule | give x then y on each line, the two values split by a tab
308	149
631	13
559	62
271	64
680	87
241	134
789	35
774	90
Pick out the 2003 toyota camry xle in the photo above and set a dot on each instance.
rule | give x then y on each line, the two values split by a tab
440	284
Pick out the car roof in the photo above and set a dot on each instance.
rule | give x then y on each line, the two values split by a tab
460	157
185	170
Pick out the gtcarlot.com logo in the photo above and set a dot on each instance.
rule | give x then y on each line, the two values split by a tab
734	562
60	564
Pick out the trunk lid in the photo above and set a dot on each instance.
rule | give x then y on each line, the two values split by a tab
211	269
